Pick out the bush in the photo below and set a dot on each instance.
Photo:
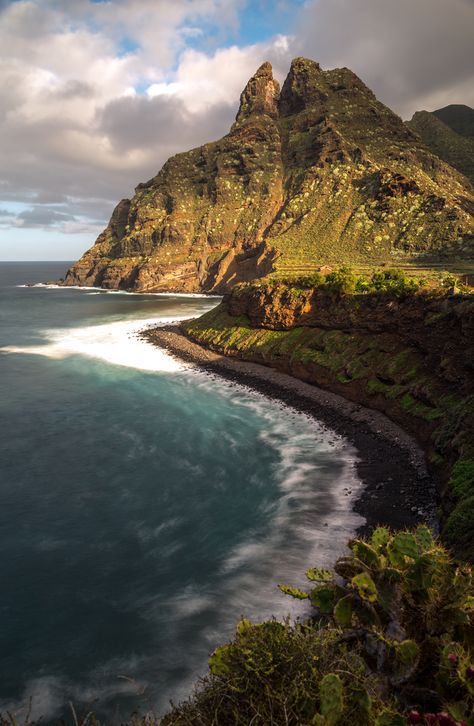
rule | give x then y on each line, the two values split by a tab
390	643
393	282
449	280
342	281
462	478
309	281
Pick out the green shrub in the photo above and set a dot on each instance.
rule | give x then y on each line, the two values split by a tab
390	642
449	280
459	528
342	281
462	478
393	282
309	281
363	285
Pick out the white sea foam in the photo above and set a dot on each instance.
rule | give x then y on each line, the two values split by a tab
92	290
115	343
312	518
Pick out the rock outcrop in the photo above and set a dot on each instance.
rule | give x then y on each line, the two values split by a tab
319	173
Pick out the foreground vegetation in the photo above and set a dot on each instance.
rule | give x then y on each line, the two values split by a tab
390	642
393	282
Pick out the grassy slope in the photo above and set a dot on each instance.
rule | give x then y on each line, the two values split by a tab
459	117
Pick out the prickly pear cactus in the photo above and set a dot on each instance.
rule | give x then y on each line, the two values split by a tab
409	611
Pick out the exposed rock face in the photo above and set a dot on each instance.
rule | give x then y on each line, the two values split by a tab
449	133
259	96
321	172
412	320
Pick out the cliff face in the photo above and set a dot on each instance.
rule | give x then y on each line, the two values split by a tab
411	358
321	172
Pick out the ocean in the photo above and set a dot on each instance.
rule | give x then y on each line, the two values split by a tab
146	506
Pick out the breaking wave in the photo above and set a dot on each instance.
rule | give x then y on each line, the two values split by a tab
117	343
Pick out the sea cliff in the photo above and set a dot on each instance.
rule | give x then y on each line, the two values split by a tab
410	357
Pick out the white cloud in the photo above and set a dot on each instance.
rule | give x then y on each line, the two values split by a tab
96	96
202	80
61	65
71	120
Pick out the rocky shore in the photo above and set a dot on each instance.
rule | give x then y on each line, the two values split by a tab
398	491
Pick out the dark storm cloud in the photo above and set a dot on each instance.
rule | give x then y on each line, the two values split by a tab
412	53
139	122
43	217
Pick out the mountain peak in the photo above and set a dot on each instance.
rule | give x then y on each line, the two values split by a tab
321	174
448	133
302	86
260	95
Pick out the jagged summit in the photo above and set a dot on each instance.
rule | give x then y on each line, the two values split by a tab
301	86
260	95
321	172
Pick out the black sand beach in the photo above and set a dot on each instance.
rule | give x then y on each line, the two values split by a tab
398	490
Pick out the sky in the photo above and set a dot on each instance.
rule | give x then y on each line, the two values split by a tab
95	95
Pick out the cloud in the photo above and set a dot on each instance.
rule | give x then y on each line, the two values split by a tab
70	120
73	127
414	55
97	95
43	217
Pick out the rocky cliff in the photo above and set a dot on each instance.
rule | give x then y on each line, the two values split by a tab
320	172
410	357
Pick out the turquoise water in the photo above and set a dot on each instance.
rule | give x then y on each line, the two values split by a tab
145	506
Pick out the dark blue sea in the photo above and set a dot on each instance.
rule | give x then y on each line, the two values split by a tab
144	505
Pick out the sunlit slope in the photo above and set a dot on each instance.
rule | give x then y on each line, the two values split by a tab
319	173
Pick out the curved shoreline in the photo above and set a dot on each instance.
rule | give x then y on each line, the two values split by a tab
398	491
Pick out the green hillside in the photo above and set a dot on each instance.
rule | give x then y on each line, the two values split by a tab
459	118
